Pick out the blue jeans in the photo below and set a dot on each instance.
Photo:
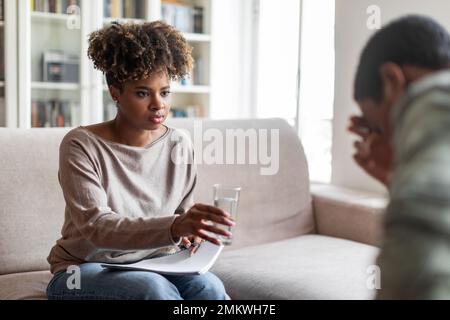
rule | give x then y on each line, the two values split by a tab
99	283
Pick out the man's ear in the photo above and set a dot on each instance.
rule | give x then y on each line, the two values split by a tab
393	81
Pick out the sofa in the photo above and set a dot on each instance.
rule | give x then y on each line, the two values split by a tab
292	240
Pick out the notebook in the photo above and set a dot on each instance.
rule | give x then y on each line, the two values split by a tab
179	263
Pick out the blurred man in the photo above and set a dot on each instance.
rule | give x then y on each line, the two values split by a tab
402	87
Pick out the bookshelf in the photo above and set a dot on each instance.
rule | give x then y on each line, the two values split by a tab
8	77
51	66
2	67
56	84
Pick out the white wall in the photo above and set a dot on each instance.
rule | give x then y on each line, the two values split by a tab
351	35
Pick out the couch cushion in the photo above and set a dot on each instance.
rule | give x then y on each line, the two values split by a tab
306	267
31	202
26	285
32	205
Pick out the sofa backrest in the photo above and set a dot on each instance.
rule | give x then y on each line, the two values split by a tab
272	207
31	202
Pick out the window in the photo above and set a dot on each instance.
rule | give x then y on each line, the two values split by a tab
277	59
282	25
317	86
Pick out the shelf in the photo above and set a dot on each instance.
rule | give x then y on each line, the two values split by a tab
39	16
181	89
122	20
55	86
2	84
192	37
190	89
197	37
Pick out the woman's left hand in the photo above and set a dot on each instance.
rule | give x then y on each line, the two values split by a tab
192	243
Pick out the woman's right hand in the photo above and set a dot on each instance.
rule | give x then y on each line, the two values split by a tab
197	221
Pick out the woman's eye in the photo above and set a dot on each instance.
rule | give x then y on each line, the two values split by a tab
142	94
165	94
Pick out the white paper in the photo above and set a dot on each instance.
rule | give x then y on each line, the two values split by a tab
179	263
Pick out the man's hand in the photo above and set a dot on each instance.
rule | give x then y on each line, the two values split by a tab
373	151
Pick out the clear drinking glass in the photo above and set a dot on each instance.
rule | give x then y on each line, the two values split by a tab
227	199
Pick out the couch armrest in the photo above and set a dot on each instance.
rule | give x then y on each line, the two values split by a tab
348	214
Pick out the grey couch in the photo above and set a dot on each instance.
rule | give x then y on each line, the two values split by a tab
289	243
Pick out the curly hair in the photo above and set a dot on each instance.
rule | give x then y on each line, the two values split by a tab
131	51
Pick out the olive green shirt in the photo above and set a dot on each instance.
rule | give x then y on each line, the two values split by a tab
415	252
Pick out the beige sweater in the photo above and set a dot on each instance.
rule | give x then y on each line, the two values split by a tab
120	200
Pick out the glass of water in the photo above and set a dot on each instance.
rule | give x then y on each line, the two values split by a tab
227	199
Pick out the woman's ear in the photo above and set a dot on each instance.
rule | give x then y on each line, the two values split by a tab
393	82
114	92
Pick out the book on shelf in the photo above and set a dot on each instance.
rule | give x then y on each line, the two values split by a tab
2	10
182	16
185	112
116	9
2	57
2	112
198	73
132	9
54	113
197	76
197	16
53	6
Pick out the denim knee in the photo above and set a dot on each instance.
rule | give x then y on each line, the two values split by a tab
153	286
97	283
206	287
215	287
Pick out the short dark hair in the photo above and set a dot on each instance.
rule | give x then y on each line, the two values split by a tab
411	40
133	51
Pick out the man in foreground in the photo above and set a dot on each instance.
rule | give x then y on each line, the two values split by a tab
402	87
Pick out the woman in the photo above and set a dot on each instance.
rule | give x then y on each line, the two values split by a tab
126	197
